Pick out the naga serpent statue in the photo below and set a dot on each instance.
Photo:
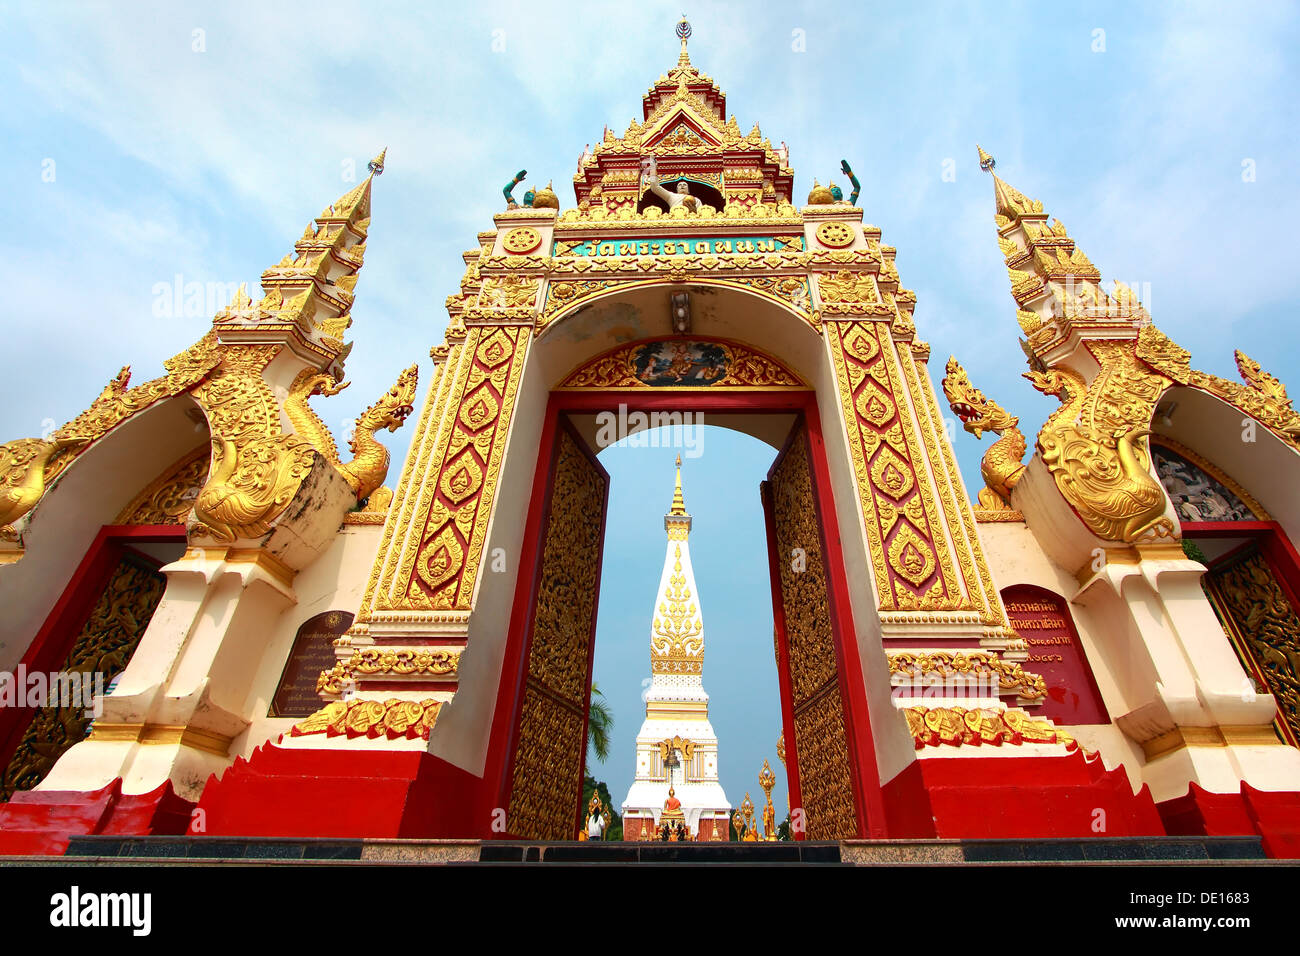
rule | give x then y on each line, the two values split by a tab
1001	465
22	475
1102	474
369	465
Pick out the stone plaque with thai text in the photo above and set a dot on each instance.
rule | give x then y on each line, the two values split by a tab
313	652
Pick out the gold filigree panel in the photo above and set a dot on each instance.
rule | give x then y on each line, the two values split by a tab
546	783
824	768
104	646
900	507
169	497
460	474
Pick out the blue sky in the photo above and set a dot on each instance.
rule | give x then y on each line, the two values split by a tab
204	154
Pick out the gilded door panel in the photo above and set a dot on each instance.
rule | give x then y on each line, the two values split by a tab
104	646
1262	624
546	780
821	744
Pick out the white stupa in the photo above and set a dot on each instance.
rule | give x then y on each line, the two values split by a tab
676	747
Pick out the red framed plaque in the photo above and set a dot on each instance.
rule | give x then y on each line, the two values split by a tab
1043	619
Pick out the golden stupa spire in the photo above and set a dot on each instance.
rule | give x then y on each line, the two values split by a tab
679	503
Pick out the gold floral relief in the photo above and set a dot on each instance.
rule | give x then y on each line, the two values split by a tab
393	719
169	497
372	662
989	726
824	767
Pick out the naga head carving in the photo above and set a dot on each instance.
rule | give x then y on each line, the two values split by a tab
977	413
392	409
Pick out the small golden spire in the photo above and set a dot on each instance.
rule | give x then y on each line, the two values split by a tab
684	32
1007	200
376	165
679	503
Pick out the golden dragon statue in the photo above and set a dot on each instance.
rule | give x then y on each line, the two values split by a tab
1001	465
369	465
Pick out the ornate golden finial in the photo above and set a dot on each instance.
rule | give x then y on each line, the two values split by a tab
987	162
684	33
679	503
376	165
767	780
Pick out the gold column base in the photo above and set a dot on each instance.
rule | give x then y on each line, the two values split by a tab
1182	737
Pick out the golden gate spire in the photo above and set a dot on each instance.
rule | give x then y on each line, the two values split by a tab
679	503
312	288
1050	276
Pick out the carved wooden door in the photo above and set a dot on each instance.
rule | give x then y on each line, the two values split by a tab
815	733
549	751
102	647
1260	619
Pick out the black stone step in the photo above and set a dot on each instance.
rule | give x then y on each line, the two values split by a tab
1085	851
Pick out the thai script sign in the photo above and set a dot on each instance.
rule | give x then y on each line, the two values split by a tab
1043	620
686	247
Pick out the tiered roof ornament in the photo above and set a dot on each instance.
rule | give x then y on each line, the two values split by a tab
258	467
1100	354
685	127
308	295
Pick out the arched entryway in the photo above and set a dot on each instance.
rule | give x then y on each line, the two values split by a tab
537	753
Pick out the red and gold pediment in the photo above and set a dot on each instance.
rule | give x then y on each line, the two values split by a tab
685	135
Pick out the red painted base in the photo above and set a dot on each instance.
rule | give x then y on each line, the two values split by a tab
345	793
40	822
1273	815
1033	797
353	794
